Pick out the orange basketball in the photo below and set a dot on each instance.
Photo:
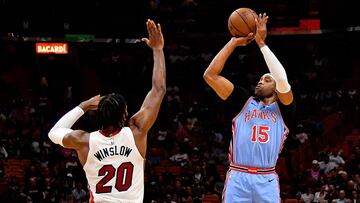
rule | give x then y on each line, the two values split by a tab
241	22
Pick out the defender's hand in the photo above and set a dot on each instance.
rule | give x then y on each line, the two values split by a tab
156	39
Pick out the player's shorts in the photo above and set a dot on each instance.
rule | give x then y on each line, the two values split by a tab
251	186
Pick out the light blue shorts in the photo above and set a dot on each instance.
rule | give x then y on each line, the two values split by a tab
251	188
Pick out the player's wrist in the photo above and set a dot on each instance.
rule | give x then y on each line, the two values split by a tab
157	48
260	43
232	43
83	106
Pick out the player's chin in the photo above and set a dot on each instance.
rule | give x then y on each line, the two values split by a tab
257	92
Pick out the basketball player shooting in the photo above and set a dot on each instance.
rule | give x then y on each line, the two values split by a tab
258	130
113	157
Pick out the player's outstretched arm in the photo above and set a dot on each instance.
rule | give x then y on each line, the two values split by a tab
141	122
275	67
222	86
62	133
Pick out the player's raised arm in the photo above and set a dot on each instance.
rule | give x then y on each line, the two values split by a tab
222	86
62	133
276	68
142	121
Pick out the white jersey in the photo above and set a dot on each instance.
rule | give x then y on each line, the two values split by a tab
114	168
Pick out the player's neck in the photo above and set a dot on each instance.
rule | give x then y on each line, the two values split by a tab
268	100
110	129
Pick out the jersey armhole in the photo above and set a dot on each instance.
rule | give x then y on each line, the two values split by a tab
132	138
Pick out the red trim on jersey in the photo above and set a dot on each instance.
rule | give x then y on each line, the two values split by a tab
278	109
286	131
231	151
251	170
282	141
225	186
109	134
234	128
91	198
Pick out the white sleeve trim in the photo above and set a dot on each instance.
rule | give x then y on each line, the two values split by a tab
57	135
62	127
276	69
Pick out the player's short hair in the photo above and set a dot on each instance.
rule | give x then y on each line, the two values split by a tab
269	74
111	110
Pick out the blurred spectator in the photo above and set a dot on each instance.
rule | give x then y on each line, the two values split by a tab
331	195
320	196
354	197
307	197
315	170
49	192
179	156
326	165
169	199
335	156
3	152
2	168
342	198
78	193
34	191
198	175
219	185
14	189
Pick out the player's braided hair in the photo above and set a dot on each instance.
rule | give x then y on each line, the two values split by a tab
111	110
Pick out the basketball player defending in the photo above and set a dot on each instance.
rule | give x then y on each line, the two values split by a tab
258	130
113	157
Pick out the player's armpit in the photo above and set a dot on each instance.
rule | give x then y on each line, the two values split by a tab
143	120
286	98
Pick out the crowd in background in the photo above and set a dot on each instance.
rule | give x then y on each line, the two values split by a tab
188	146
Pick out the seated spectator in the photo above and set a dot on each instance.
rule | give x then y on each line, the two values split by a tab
355	197
198	175
342	179
315	170
330	193
335	156
307	197
179	157
302	137
350	186
326	165
320	196
78	193
33	191
3	152
342	198
168	199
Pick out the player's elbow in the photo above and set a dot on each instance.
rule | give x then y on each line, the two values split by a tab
160	89
208	77
286	102
56	135
52	135
286	98
163	90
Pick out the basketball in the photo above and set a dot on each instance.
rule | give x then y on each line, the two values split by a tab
241	22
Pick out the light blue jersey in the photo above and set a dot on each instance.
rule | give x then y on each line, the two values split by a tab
258	135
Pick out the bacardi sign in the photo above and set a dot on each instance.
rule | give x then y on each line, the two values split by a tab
51	48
